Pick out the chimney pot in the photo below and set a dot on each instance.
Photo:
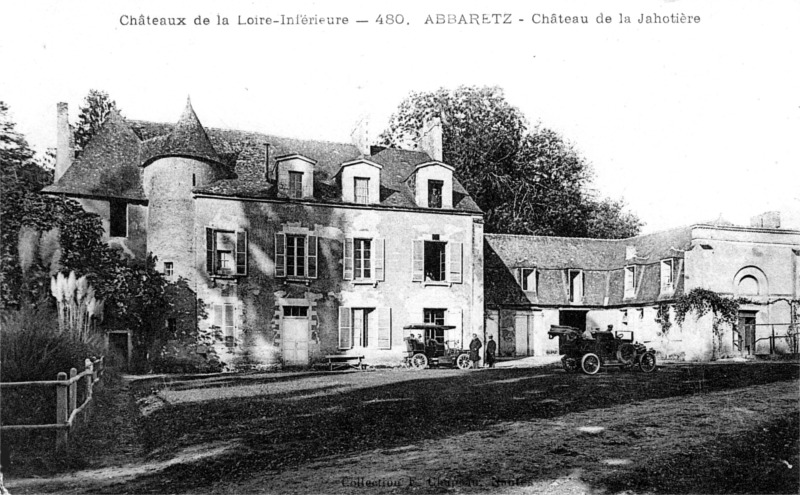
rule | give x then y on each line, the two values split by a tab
431	138
65	142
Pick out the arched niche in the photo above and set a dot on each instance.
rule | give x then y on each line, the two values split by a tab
750	281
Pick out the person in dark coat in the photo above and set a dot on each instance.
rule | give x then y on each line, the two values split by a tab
474	348
491	350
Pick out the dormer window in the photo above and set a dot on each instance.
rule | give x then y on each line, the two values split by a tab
575	279
432	185
295	184
667	275
435	193
295	176
361	190
360	181
630	282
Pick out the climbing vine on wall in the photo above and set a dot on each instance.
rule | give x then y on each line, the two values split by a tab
702	301
662	317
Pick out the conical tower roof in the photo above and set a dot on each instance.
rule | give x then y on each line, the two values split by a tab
188	138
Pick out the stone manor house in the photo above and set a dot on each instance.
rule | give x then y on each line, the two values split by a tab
299	249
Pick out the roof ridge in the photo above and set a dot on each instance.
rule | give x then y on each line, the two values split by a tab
559	237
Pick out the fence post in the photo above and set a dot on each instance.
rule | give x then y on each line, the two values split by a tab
62	436
73	392
89	377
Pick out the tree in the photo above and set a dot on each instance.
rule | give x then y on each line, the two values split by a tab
527	182
18	166
91	115
608	220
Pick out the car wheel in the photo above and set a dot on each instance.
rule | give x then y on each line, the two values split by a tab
647	363
463	362
419	361
626	353
590	363
570	364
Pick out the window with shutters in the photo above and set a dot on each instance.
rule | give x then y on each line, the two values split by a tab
296	255
527	279
361	190
575	280
226	252
630	281
224	321
667	275
369	328
364	259
436	261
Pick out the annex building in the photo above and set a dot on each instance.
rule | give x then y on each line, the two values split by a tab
533	282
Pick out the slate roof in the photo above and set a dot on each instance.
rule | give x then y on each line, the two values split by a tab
186	138
602	261
108	166
127	145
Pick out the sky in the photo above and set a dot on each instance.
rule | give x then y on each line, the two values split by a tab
684	122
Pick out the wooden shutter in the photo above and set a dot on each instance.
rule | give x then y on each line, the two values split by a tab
345	328
311	256
218	316
454	317
241	252
210	248
347	262
384	328
280	255
378	259
417	261
230	325
456	255
308	184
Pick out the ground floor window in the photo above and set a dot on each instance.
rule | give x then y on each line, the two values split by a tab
365	328
225	322
436	317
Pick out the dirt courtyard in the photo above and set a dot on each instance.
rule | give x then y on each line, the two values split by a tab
717	428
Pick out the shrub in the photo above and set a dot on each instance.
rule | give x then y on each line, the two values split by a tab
33	349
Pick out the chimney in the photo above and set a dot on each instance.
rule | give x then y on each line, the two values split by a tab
65	142
359	136
767	220
430	140
267	172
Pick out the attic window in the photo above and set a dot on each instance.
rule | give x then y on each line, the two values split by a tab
295	184
630	281
361	193
575	278
435	193
118	219
527	279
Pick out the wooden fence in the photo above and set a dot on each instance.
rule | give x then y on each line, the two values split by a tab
67	408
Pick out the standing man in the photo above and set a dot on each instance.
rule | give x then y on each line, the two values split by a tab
491	350
474	348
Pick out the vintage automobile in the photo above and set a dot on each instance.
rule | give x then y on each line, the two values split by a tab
435	350
607	348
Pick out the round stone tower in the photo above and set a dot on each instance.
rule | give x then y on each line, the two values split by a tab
173	165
